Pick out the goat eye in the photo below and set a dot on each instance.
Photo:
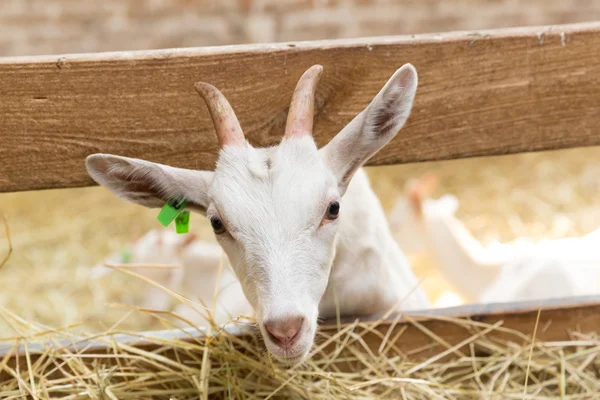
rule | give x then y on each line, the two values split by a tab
333	211
217	225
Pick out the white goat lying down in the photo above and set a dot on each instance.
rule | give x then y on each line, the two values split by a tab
301	226
501	273
204	271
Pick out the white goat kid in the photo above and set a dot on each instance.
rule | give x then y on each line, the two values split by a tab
201	273
275	212
424	225
500	273
154	248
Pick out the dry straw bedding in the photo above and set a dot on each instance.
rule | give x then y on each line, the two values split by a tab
341	365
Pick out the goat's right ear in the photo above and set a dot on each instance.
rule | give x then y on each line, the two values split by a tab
149	184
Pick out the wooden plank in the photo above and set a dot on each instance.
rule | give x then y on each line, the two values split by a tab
481	93
558	317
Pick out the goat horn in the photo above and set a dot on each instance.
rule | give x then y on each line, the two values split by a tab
227	126
302	108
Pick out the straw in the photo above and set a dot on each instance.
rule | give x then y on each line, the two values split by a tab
221	368
8	240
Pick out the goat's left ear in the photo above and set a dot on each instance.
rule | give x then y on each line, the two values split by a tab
374	127
149	184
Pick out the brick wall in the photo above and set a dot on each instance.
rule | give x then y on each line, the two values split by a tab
29	27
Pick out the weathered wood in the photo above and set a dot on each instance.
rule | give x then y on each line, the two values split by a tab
558	318
481	93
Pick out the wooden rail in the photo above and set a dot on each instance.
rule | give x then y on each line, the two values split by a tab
481	93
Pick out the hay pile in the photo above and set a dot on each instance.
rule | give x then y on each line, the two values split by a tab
341	366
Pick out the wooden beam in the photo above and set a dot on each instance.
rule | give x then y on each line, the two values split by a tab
481	93
559	318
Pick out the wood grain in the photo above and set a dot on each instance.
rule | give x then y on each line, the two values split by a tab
481	93
559	318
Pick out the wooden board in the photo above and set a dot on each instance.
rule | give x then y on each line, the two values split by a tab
481	93
558	319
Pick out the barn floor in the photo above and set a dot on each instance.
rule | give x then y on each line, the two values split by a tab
58	235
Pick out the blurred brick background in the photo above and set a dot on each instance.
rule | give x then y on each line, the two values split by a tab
29	27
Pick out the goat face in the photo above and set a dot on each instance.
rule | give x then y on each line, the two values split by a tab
274	211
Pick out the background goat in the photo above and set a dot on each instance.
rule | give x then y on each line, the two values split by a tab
524	270
201	273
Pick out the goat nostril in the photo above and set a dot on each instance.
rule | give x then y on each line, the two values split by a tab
284	332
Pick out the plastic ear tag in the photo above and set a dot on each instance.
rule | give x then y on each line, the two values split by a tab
126	255
170	211
182	222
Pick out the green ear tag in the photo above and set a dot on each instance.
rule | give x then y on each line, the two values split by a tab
126	255
182	222
170	211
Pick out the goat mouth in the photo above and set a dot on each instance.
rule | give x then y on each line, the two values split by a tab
289	355
296	350
292	353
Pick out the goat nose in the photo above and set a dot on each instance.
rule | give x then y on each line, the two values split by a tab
285	332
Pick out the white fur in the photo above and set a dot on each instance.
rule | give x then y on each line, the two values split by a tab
499	273
463	261
291	260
